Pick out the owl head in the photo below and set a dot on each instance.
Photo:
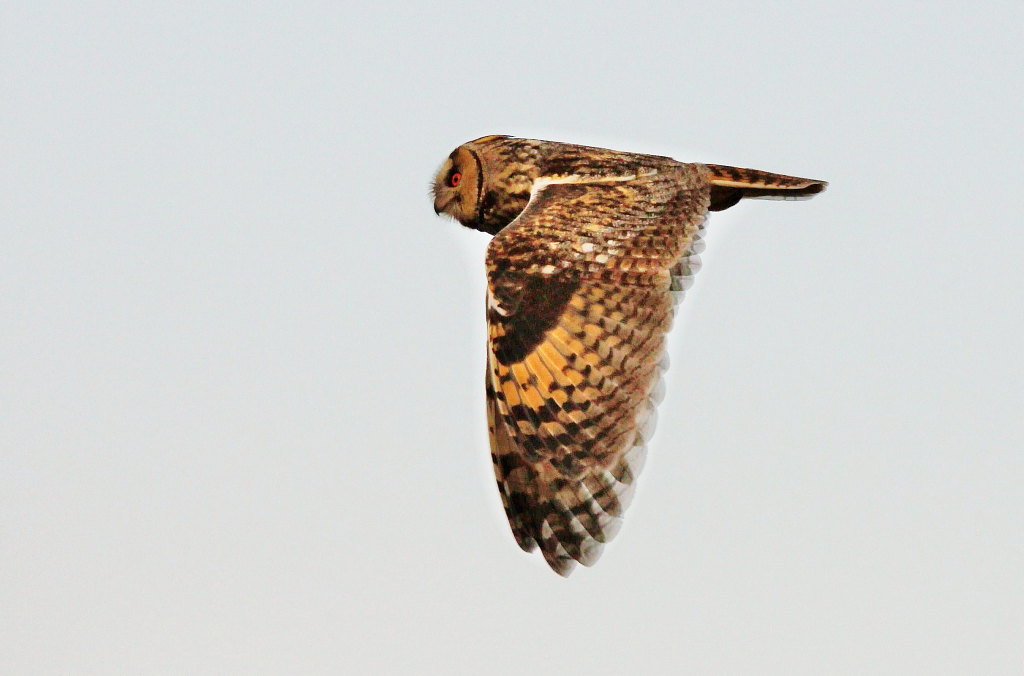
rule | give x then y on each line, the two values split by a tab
459	186
486	183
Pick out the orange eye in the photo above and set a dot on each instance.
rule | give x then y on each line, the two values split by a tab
455	179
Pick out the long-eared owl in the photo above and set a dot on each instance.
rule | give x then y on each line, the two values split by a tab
592	250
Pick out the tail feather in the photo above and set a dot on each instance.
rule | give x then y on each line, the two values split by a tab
731	184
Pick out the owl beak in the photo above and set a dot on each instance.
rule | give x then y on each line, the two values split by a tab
438	207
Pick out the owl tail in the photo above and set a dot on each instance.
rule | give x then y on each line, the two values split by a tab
731	184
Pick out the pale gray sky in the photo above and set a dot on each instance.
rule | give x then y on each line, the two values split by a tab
241	361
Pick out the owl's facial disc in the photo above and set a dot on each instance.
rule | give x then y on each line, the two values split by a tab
458	186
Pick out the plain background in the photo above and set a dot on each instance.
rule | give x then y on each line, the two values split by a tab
241	361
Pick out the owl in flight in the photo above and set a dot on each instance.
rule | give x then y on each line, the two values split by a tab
592	250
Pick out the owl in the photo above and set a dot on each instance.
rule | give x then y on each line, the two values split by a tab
591	251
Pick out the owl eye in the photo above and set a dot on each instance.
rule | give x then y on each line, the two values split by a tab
455	179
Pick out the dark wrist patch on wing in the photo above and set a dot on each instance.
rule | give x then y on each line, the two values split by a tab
533	304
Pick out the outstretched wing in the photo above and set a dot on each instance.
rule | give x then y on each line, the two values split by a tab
581	289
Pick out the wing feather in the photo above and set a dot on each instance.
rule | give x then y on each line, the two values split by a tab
581	291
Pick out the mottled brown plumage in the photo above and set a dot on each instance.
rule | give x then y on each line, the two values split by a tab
592	249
